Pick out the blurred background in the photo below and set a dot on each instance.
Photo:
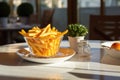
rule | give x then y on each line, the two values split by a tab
59	13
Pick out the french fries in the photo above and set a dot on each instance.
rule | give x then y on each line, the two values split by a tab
43	42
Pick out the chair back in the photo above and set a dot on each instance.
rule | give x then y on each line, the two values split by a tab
47	17
105	27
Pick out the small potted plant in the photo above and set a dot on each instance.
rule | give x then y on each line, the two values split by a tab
4	13
24	11
76	32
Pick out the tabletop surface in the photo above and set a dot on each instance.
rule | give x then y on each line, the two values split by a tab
98	66
16	26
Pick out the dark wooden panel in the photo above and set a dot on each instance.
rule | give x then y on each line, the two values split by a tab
104	27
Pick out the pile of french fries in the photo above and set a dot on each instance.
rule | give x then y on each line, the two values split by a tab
43	42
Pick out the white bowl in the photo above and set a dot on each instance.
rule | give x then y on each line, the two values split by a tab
112	52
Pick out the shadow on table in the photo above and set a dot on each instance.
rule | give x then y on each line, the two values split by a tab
94	76
12	59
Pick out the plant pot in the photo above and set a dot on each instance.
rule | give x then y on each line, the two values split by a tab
73	41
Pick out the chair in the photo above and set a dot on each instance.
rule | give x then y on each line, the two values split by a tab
3	38
105	27
33	19
47	17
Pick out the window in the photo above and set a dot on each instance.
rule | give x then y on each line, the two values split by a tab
88	7
59	18
89	3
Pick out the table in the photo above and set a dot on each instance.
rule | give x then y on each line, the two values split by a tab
97	67
12	28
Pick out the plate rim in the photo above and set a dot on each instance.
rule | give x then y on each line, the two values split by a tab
108	43
64	58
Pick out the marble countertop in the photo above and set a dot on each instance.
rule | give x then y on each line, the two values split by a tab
98	66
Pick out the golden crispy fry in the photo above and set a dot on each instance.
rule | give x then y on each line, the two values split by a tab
43	42
23	32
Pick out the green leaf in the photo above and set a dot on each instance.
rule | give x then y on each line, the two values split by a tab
77	30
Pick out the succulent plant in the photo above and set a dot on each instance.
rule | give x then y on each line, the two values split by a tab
75	30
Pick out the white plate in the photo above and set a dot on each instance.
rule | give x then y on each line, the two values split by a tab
62	55
108	43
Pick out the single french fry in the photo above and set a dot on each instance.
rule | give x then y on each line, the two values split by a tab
23	32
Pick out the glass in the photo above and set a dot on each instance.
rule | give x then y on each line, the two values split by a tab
83	48
41	47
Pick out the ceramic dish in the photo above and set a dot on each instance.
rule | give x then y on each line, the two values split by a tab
63	55
108	43
111	52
